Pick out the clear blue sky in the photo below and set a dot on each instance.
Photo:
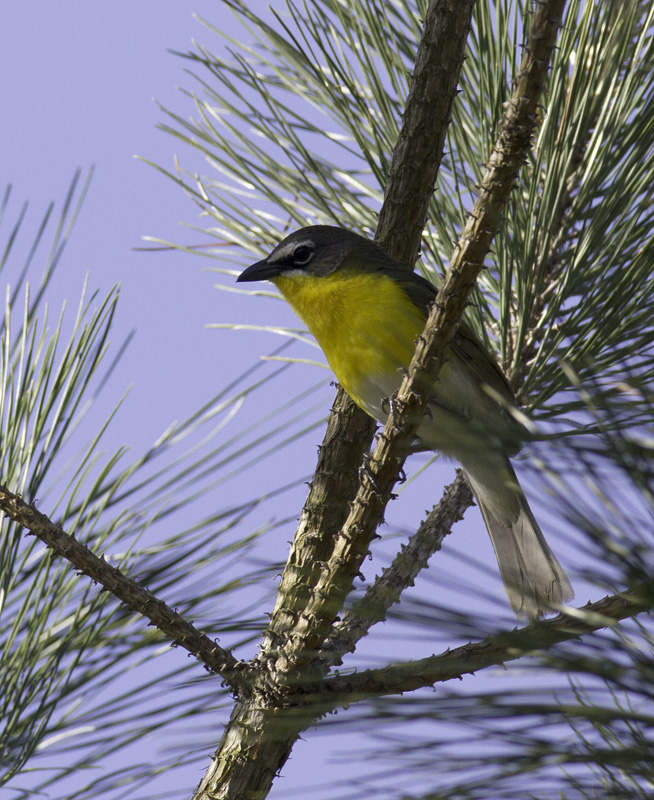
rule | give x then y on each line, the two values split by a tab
78	88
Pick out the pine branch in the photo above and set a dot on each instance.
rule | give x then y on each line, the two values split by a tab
418	152
380	596
493	651
348	435
169	622
386	589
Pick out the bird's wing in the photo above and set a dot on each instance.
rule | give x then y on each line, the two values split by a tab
466	344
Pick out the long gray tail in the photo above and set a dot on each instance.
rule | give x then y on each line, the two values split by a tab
533	578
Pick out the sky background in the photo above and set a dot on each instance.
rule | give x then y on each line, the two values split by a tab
80	87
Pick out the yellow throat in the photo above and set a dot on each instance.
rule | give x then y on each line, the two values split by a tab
364	322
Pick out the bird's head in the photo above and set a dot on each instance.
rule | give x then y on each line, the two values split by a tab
319	251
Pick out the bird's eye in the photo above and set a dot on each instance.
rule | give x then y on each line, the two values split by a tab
302	255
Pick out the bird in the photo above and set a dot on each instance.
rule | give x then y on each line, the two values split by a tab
365	310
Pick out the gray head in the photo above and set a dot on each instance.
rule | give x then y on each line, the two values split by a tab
318	250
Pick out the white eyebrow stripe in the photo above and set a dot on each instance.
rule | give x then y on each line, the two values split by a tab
288	249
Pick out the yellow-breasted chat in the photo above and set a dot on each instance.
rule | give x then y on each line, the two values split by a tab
365	311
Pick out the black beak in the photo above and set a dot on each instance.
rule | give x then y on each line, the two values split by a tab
261	271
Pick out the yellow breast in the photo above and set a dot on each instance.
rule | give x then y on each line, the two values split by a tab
364	323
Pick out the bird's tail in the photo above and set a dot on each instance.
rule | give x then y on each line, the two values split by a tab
533	578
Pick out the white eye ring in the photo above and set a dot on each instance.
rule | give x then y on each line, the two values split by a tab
302	254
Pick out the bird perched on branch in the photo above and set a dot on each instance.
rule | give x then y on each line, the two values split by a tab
366	310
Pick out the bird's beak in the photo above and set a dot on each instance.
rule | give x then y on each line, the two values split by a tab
261	271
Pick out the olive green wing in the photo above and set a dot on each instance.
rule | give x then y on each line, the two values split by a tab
466	344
